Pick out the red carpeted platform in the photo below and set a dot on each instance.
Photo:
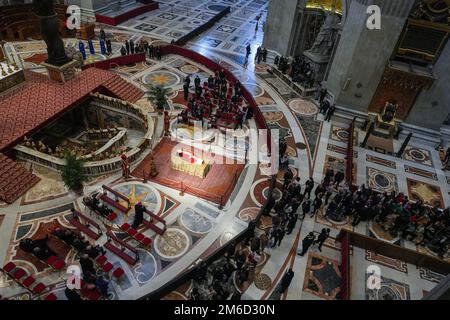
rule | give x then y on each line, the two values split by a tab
216	187
115	20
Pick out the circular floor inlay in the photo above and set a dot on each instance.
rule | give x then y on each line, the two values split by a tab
273	115
254	89
263	281
248	214
146	267
161	78
195	222
172	244
303	107
189	68
342	134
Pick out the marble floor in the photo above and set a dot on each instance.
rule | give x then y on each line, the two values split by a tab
196	226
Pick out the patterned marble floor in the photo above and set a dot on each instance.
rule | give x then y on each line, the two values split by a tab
196	227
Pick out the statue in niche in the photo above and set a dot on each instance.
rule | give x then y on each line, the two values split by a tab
50	32
389	112
325	39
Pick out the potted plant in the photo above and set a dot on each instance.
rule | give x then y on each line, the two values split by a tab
158	96
72	173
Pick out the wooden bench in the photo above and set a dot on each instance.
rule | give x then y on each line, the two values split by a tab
152	223
120	252
85	227
139	237
111	217
115	203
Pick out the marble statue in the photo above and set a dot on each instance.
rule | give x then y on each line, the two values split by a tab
50	32
327	34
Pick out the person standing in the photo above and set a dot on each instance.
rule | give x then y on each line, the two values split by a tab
291	223
288	175
330	113
280	235
270	204
248	51
286	281
264	55
306	243
322	237
108	47
127	47
186	91
138	216
132	48
309	185
328	193
82	49
317	204
323	93
197	82
338	178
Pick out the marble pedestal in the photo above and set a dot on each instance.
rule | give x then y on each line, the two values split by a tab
318	64
62	73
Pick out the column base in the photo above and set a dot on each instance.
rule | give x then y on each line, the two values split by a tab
62	73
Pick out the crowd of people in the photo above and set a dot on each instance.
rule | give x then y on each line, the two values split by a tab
299	69
394	212
130	47
216	100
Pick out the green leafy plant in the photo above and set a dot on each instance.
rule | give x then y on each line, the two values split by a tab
72	173
158	96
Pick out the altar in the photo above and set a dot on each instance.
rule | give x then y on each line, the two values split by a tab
185	161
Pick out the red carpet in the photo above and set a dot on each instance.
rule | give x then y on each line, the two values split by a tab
216	187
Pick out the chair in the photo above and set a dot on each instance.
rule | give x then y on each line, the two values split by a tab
10	266
51	297
118	273
28	282
39	288
101	260
139	237
132	232
107	267
19	274
58	265
146	241
51	260
125	227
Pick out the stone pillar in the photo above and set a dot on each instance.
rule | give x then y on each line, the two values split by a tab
362	54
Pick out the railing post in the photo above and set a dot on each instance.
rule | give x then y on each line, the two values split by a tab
145	178
181	189
221	203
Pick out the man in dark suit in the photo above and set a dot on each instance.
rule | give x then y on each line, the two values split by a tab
139	215
306	243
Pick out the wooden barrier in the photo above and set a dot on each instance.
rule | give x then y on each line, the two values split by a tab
76	216
120	252
116	61
395	252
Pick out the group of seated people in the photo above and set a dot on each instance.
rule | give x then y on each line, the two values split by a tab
87	253
299	70
216	100
94	204
39	248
